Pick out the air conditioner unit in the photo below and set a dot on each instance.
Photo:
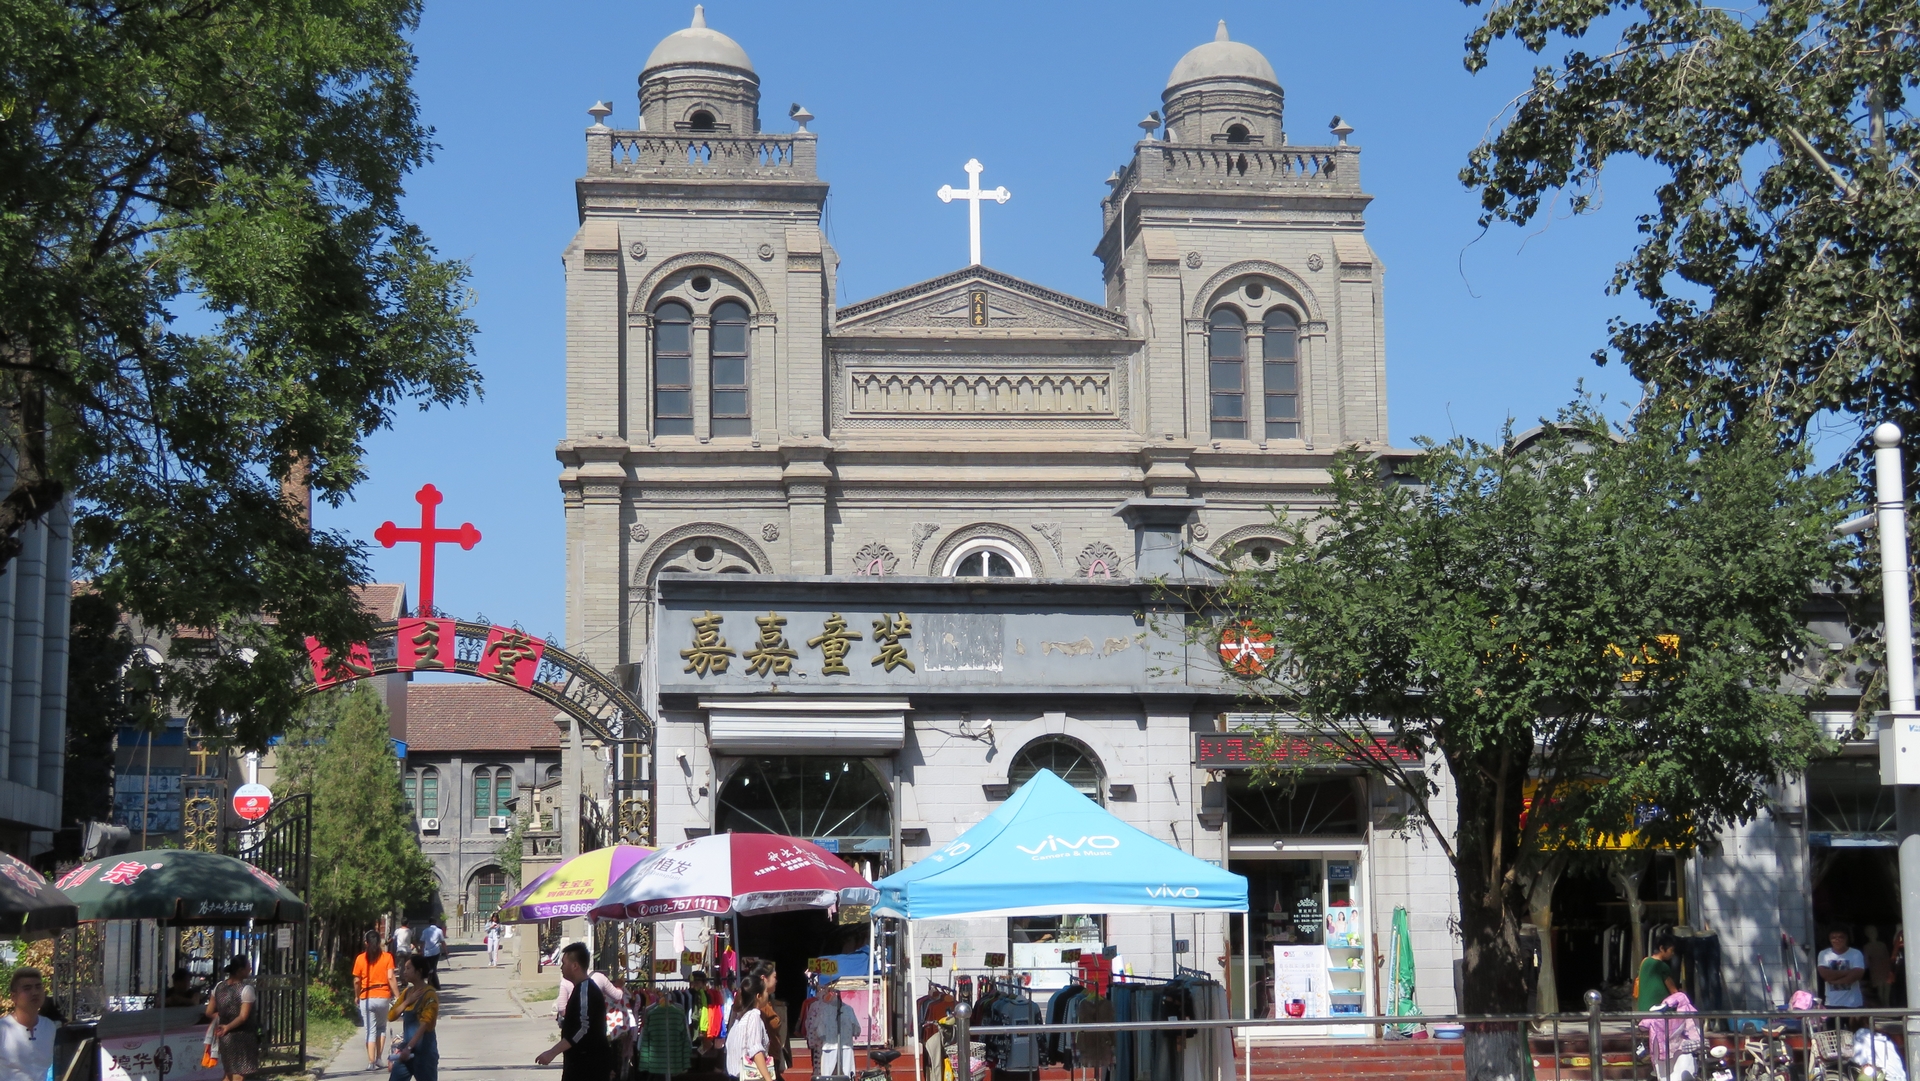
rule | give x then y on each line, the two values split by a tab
429	825
497	822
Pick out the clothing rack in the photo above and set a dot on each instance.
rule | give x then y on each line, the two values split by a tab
1182	972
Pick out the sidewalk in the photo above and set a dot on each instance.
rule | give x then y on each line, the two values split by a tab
484	1032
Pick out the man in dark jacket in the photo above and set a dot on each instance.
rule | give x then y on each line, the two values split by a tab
583	1028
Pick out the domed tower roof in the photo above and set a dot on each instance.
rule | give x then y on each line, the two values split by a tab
1221	58
698	45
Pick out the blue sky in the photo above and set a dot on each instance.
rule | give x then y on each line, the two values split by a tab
1046	95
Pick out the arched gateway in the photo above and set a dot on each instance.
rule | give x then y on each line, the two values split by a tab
507	655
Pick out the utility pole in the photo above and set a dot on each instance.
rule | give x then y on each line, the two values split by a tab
1900	725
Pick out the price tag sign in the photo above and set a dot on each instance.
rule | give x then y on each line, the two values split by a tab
933	960
252	801
996	960
665	966
1069	956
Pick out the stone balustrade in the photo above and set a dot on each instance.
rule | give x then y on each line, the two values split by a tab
981	392
1231	167
702	156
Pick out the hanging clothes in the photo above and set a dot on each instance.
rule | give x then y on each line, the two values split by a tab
665	1047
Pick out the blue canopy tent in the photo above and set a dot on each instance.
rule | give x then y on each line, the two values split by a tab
1048	850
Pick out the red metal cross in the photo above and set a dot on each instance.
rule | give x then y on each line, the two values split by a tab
426	537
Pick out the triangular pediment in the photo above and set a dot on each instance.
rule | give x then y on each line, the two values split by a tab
979	299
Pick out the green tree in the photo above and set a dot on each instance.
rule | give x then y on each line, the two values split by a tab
1592	624
1781	262
366	857
208	290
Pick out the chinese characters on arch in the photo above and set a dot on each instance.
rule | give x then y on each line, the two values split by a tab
773	652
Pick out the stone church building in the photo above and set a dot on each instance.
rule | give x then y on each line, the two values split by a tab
873	566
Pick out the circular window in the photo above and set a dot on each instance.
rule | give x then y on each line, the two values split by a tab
704	553
701	283
1260	553
1255	291
988	559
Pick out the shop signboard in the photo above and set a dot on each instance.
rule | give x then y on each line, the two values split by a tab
149	1057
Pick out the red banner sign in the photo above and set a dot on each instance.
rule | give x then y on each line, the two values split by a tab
359	663
424	645
1242	750
511	654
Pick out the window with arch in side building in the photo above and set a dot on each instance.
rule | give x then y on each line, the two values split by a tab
728	397
423	792
1227	374
1280	369
673	370
492	788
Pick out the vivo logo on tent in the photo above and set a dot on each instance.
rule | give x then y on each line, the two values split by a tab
954	851
1056	847
1173	891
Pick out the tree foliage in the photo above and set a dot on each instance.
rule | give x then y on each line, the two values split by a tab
208	288
1781	262
1589	635
366	858
99	655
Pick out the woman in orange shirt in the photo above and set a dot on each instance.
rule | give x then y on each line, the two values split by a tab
373	976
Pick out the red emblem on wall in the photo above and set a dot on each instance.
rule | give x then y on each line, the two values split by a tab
511	654
1246	649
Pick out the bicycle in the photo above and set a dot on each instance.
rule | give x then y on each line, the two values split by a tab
884	1071
1768	1059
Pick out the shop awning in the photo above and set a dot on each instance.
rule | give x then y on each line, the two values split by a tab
1049	850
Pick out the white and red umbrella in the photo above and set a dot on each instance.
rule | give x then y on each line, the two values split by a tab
748	874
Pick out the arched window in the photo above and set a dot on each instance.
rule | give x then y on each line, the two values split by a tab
1227	374
1069	759
1281	369
987	558
729	394
553	775
1237	133
701	120
492	788
672	370
489	889
423	792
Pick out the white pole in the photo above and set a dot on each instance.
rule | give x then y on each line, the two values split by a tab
913	1000
1246	985
1890	486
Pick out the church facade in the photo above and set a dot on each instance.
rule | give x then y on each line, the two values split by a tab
872	566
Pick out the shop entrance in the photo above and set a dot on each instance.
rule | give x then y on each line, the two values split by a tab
841	804
1855	867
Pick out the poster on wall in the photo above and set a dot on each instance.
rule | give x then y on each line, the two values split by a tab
1300	985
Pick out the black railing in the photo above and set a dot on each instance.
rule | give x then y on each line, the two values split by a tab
281	845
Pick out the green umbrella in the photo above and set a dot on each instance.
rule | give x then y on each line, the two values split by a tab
29	905
181	886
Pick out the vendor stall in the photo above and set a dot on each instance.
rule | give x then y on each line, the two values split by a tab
115	972
1048	850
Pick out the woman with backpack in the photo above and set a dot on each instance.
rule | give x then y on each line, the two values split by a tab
234	1008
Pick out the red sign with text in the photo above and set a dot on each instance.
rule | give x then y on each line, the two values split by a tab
359	663
252	801
424	645
511	654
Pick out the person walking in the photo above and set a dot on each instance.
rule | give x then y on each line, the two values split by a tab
234	1008
778	1051
375	981
403	943
746	1058
433	941
417	1054
583	1027
493	941
26	1038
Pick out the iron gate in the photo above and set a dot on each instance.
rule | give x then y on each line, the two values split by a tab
280	845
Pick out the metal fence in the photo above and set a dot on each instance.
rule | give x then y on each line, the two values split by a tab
1837	1044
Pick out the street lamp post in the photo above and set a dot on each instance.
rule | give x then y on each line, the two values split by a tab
1900	725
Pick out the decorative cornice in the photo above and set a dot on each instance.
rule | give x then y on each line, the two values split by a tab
1005	281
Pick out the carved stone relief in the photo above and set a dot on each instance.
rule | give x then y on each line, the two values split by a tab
1099	560
875	558
975	392
921	531
1051	531
639	531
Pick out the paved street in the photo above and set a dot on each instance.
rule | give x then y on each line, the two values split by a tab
484	1033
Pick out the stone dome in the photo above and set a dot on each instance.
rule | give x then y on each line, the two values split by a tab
699	45
1220	58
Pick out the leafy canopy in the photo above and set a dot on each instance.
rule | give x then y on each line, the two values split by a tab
1622	612
1782	260
1592	633
207	288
